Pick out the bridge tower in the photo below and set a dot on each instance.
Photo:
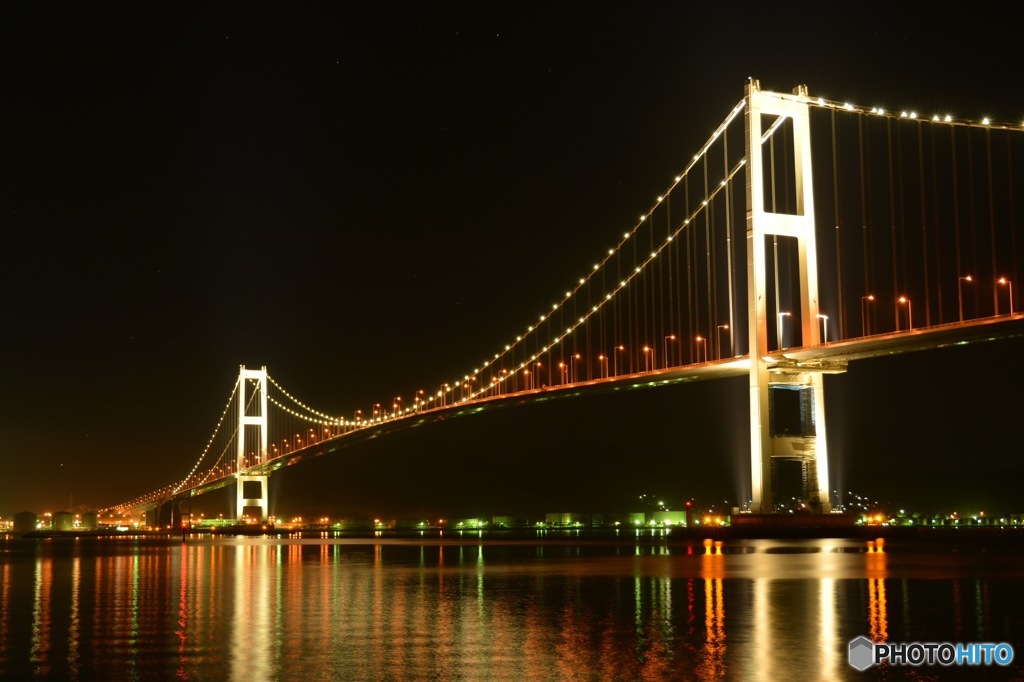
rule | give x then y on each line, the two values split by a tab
771	372
252	488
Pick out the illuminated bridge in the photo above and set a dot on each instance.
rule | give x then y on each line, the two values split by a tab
803	235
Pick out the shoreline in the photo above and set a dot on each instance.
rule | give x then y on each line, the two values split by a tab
764	531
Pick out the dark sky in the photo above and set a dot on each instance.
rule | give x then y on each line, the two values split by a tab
367	198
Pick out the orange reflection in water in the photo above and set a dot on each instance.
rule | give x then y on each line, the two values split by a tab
712	665
877	571
5	614
41	617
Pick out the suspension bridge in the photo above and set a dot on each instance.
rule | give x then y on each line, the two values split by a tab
804	234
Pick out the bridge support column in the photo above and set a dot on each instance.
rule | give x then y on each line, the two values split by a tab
771	443
252	479
252	492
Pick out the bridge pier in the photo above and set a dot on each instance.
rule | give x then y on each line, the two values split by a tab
252	493
777	439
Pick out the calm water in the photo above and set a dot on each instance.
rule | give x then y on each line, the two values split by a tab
474	608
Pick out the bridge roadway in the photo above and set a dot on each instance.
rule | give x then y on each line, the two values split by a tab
832	357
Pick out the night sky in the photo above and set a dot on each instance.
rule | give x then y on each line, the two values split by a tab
369	201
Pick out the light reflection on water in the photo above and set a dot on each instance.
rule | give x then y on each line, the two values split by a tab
349	609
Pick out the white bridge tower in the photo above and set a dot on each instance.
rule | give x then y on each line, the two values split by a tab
252	488
770	370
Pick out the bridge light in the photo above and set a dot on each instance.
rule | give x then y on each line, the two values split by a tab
985	121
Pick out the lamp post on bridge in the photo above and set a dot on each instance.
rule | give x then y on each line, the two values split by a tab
563	373
910	314
665	357
864	326
1009	285
960	293
574	372
602	366
778	329
718	339
700	340
824	327
648	355
615	358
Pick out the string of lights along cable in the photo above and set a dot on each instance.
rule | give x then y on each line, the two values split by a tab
916	227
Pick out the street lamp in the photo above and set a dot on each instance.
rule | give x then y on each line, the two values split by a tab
1009	285
718	339
528	381
824	327
778	329
574	374
648	355
665	358
700	340
910	314
563	372
536	373
960	293
602	365
615	358
863	314
396	405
